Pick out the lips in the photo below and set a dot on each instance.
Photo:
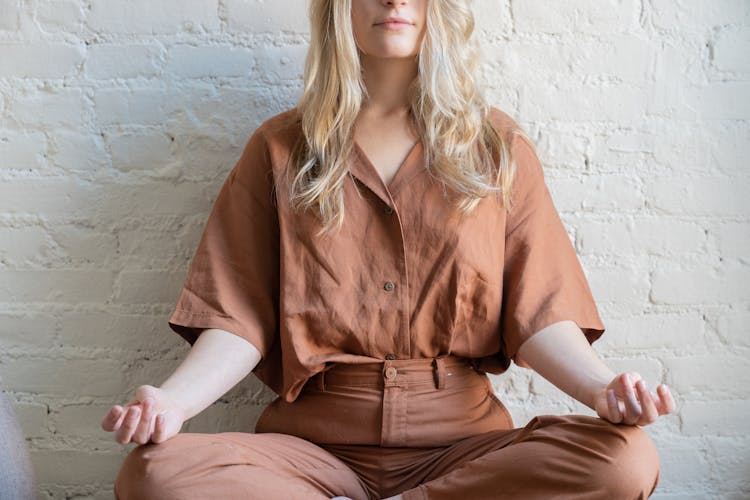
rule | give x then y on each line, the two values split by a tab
394	20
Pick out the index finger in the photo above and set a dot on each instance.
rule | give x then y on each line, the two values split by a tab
667	401
113	419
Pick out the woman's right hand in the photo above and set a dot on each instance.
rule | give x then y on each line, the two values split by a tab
152	415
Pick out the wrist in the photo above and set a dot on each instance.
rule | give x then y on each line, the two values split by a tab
593	387
179	402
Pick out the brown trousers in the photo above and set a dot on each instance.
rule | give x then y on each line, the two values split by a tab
426	428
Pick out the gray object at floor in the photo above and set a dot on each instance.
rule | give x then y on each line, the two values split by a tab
16	472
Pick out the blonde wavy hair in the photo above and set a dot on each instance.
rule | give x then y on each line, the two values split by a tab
462	147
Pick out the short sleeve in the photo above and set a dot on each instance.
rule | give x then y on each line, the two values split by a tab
543	280
232	282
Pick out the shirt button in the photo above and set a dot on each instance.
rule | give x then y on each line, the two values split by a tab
389	285
388	210
390	372
390	356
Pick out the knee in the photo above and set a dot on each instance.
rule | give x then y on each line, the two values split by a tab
141	477
633	470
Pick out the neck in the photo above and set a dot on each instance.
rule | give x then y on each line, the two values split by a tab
387	82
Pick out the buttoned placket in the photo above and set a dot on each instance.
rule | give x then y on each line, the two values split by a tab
394	424
400	287
394	430
367	174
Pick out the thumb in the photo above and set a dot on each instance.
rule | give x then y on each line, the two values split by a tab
607	405
166	424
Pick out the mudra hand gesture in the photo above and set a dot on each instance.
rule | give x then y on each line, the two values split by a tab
628	400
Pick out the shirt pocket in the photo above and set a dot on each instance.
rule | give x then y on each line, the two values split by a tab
478	303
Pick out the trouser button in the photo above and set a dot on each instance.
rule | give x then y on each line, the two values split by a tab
390	372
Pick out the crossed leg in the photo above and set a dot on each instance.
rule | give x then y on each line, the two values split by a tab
231	465
554	456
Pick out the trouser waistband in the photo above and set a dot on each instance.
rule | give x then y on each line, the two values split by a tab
390	372
400	402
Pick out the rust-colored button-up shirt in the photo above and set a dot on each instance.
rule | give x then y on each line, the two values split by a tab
404	277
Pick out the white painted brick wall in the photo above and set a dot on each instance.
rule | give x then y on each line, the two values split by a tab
120	119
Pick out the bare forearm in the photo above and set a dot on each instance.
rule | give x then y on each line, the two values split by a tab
561	354
217	361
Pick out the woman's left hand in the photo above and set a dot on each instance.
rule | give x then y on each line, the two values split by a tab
627	400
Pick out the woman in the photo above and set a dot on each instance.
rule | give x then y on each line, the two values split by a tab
374	253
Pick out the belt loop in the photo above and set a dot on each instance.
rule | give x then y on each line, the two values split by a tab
322	380
439	372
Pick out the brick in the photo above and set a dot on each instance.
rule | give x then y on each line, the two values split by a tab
653	331
278	63
74	466
78	153
115	60
625	286
24	245
492	17
64	243
102	329
33	419
613	103
706	373
649	369
50	107
187	61
79	244
720	100
730	464
257	16
139	151
71	377
715	418
9	13
154	18
562	149
48	285
149	287
610	192
691	148
640	235
163	244
59	16
699	284
22	150
733	330
27	329
733	238
694	15
730	46
82	420
106	200
621	57
683	465
21	60
144	106
575	16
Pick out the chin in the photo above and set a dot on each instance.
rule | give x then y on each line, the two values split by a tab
394	53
